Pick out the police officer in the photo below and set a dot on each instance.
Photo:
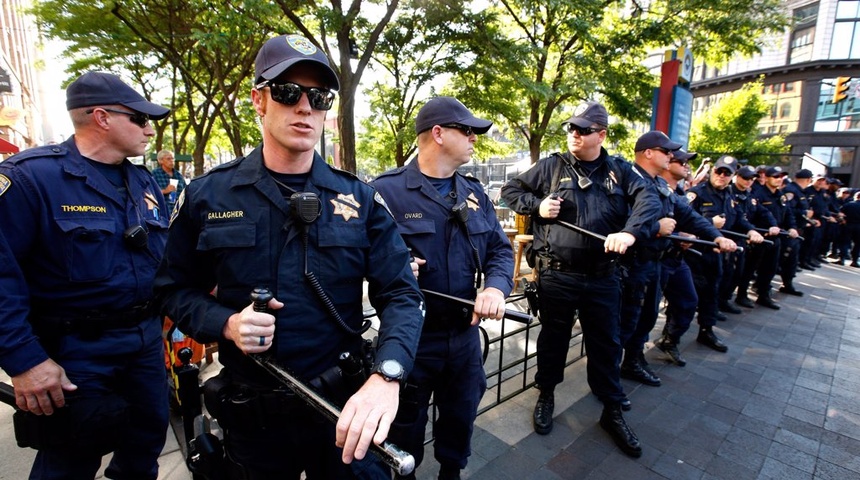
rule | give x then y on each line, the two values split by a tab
851	213
641	287
713	201
87	228
282	219
746	193
602	194
450	225
777	203
802	213
819	203
676	280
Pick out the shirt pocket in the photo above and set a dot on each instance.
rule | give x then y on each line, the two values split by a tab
227	236
343	256
88	253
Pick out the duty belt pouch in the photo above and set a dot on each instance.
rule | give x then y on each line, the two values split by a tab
85	424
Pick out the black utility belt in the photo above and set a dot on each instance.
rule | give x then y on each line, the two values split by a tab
92	321
601	268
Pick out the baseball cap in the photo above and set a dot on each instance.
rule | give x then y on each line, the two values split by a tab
99	88
280	53
835	181
683	155
588	113
447	110
775	171
803	173
747	172
655	139
728	162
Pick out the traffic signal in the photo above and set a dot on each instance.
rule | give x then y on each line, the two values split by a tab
840	92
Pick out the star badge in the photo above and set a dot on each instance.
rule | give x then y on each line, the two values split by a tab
473	201
346	206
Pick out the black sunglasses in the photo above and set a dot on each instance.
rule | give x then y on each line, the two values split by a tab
580	130
289	93
679	162
137	118
465	129
662	150
723	172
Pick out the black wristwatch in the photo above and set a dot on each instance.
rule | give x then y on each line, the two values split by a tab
391	370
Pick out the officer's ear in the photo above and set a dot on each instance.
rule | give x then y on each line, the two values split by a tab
259	100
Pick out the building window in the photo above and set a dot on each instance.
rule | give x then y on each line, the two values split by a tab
803	34
785	110
837	117
834	157
846	30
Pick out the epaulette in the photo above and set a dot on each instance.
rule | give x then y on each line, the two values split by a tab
224	166
141	166
395	171
471	179
57	150
346	173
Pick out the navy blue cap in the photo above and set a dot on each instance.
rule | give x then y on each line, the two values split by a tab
803	173
94	89
683	155
447	110
655	139
775	171
728	162
747	172
282	52
587	114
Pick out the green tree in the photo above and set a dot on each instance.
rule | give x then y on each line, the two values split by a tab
417	49
731	128
202	56
536	59
353	29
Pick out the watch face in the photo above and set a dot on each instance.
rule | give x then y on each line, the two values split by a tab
391	369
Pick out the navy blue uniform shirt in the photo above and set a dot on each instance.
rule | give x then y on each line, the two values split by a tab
64	222
710	202
232	228
426	222
619	199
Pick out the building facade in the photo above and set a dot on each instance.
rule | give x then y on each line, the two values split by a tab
21	119
801	70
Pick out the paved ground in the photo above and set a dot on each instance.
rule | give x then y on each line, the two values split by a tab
783	403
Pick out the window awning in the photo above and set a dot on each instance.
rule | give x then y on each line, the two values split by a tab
8	147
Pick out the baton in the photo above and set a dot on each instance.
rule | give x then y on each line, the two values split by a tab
697	241
782	232
744	236
581	230
509	314
402	462
7	395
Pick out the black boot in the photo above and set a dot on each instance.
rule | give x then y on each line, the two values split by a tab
729	308
543	412
670	347
789	289
448	472
708	338
744	301
766	301
631	369
613	422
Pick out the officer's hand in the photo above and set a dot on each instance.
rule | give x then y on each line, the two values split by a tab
719	221
755	237
816	223
685	245
252	331
170	188
773	231
667	226
725	244
550	206
415	263
40	389
490	303
792	233
618	242
366	417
